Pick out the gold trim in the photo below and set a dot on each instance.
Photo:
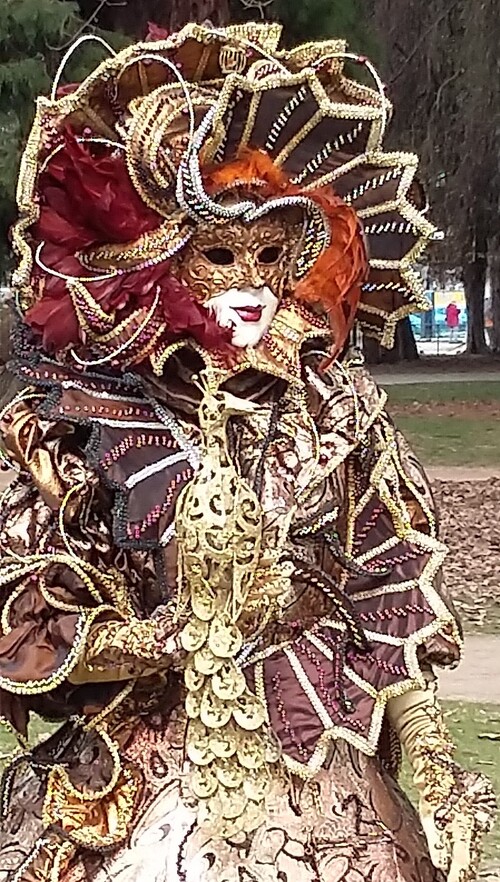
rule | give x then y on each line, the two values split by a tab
252	116
443	621
294	142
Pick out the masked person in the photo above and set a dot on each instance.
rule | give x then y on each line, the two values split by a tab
220	562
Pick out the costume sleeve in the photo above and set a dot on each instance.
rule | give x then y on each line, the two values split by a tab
117	650
457	807
70	621
370	549
391	541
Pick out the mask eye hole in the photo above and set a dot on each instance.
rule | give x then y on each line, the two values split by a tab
270	254
220	256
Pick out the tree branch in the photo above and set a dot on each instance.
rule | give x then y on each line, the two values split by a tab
92	17
422	39
261	5
443	85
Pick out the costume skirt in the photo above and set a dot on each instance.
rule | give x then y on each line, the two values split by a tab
352	823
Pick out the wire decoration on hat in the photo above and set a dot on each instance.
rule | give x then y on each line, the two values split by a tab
64	276
86	38
362	59
115	145
161	59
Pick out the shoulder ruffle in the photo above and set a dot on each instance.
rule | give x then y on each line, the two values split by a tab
325	684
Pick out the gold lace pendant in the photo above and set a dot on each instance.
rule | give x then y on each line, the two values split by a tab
219	537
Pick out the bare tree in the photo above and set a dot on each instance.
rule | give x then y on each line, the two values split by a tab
494	289
440	61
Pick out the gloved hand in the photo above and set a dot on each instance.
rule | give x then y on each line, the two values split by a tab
456	807
124	650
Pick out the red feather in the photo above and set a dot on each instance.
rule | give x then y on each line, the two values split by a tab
87	198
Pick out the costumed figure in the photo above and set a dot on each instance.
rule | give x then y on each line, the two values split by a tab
219	559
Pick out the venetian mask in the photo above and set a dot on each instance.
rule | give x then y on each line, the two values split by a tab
240	272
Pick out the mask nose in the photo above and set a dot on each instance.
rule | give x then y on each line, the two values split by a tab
251	272
255	275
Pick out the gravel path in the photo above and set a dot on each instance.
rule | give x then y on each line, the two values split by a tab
477	677
386	378
462	474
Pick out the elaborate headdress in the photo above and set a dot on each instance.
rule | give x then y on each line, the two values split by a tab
204	128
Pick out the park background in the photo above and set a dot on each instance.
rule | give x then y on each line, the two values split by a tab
439	62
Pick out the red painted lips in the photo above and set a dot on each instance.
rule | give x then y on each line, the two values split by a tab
250	313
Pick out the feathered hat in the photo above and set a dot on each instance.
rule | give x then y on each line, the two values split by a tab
119	171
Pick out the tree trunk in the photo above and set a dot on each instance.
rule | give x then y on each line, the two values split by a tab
404	349
474	277
132	16
372	350
406	345
9	385
494	285
215	11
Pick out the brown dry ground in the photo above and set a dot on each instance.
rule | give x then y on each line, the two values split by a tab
470	525
471	409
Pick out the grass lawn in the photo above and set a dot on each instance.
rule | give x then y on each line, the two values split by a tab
467	722
451	424
452	440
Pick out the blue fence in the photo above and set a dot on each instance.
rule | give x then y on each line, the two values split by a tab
432	324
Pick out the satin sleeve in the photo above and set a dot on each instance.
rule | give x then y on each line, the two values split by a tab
72	624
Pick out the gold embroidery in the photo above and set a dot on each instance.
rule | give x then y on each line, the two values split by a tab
219	535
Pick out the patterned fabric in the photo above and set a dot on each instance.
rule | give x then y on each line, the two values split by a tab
352	824
360	621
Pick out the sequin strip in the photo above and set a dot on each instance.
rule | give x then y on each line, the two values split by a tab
330	147
135	531
389	227
372	184
286	114
119	450
153	468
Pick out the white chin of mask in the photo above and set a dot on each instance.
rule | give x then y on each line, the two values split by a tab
248	311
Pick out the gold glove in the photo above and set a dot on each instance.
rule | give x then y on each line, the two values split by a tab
124	650
456	807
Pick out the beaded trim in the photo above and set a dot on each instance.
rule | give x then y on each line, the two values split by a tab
317	81
35	565
121	422
431	613
40	844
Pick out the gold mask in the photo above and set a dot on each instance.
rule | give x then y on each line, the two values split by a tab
239	256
